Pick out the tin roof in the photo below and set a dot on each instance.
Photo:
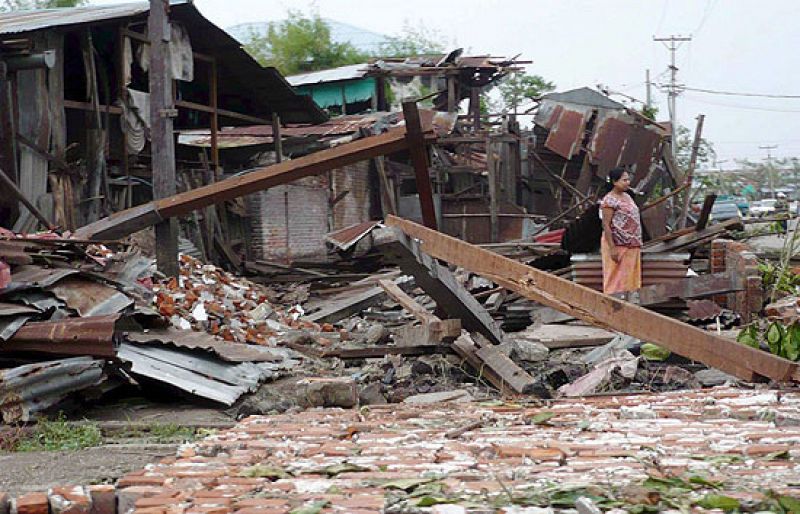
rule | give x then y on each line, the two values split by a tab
349	72
16	22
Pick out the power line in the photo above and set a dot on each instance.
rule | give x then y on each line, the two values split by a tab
673	89
731	93
745	107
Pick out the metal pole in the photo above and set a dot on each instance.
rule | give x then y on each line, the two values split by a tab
162	110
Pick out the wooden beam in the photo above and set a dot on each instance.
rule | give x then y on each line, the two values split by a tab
132	220
419	158
698	135
693	238
705	212
222	112
440	284
603	310
162	142
336	311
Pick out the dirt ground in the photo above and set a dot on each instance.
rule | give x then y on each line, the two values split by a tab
128	445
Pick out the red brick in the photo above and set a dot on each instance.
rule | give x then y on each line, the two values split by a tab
33	503
126	498
70	500
104	499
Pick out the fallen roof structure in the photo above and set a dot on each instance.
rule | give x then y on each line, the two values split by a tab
602	310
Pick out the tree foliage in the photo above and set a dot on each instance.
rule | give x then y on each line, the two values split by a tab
414	40
520	88
24	5
300	44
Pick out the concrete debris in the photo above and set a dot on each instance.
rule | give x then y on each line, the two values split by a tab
445	396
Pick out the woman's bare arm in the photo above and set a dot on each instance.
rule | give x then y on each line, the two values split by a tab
608	213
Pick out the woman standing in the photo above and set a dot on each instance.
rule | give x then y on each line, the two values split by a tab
621	244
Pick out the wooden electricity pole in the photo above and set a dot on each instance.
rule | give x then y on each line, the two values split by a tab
698	137
162	110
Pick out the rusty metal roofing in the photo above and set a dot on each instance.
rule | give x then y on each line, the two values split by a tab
28	389
566	135
28	277
69	336
348	237
587	269
89	298
702	310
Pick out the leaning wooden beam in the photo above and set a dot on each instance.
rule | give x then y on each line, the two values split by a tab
132	220
440	284
419	158
602	310
693	238
336	311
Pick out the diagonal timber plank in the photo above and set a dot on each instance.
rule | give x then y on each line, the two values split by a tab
441	285
602	310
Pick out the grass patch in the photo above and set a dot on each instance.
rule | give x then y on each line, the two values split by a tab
170	433
60	434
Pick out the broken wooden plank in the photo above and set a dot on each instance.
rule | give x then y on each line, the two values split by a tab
406	302
434	332
603	310
694	238
440	284
338	310
374	352
705	212
489	361
466	348
419	158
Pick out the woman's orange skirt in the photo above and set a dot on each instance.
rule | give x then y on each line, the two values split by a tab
622	276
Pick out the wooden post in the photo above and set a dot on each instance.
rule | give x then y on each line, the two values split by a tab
389	205
8	141
277	141
475	108
698	132
214	121
162	111
452	103
419	158
491	167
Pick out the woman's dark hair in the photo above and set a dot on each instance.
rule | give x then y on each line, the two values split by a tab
613	175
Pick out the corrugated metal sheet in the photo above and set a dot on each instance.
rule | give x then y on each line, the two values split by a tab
197	374
349	72
567	133
228	351
28	21
29	277
703	310
587	269
348	237
84	336
13	309
89	298
584	96
607	143
31	388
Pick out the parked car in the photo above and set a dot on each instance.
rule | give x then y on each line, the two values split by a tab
725	211
763	207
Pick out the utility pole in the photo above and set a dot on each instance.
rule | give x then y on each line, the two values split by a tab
770	174
162	110
687	196
649	97
672	43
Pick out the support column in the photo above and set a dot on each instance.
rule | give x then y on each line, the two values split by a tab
162	110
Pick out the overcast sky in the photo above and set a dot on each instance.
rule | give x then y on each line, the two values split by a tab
737	46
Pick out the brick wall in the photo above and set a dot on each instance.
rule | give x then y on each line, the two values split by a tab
310	215
736	257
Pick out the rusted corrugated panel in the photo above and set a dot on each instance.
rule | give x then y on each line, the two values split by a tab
32	388
654	220
656	268
231	352
30	276
69	336
14	309
608	143
348	237
566	135
89	298
638	153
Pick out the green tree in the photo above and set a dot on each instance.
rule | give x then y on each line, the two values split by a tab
518	88
414	40
23	5
301	43
683	149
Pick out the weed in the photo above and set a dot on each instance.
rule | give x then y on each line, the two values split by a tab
170	432
60	434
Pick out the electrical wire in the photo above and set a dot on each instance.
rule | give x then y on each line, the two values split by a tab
732	93
746	107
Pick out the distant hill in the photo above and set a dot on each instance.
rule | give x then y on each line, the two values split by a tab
363	39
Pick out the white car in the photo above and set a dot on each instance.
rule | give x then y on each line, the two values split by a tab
763	207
